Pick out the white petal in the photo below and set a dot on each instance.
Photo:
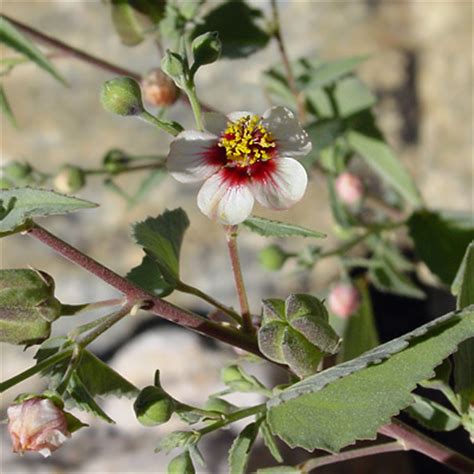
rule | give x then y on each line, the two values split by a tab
282	187
227	203
291	139
215	122
234	116
189	156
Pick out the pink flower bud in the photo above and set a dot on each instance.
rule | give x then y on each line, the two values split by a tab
343	300
349	188
159	90
38	425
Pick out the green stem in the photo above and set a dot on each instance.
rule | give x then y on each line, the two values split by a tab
168	127
231	237
73	309
190	90
311	464
183	287
130	169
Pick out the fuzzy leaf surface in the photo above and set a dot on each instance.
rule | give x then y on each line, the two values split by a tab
271	228
241	447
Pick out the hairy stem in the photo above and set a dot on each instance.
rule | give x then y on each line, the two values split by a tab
413	439
231	236
286	63
71	51
313	463
167	127
195	105
153	304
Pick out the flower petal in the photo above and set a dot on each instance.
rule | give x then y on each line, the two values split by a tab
282	186
227	202
234	116
291	139
194	156
215	122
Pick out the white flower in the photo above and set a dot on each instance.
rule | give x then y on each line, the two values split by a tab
240	158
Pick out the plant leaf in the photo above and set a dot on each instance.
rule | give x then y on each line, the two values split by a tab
432	415
441	240
240	451
323	133
352	96
271	228
368	142
5	107
270	442
148	276
20	204
315	413
239	38
280	470
126	23
161	237
10	36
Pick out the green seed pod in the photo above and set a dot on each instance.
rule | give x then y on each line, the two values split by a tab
69	180
206	48
122	96
115	161
172	65
17	172
181	464
272	257
27	306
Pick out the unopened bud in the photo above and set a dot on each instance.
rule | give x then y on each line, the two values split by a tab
159	90
181	464
206	48
5	183
344	300
17	171
69	180
116	161
349	188
272	257
122	96
37	425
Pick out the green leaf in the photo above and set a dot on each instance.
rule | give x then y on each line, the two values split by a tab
5	107
270	228
239	38
20	204
238	380
432	415
148	276
352	96
463	284
360	333
441	240
324	73
324	133
11	37
315	413
178	439
280	470
269	441
161	237
378	155
240	451
126	23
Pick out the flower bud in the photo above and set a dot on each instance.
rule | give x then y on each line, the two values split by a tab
206	48
159	90
116	161
349	188
122	96
272	257
343	300
172	65
70	180
181	464
37	425
17	172
5	183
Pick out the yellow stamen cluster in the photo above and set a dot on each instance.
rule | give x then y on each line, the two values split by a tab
246	141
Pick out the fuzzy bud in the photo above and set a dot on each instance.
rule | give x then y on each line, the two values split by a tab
349	188
344	300
206	48
159	90
69	180
122	96
272	257
17	172
37	425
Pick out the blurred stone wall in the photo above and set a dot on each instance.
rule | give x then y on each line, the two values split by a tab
420	67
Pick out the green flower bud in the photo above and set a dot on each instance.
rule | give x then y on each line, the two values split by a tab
181	464
27	306
172	65
272	257
5	183
70	180
206	48
122	96
115	161
153	405
17	171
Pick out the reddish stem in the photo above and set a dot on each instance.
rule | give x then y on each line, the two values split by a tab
153	304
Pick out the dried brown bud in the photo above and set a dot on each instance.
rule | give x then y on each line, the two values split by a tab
37	425
159	90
